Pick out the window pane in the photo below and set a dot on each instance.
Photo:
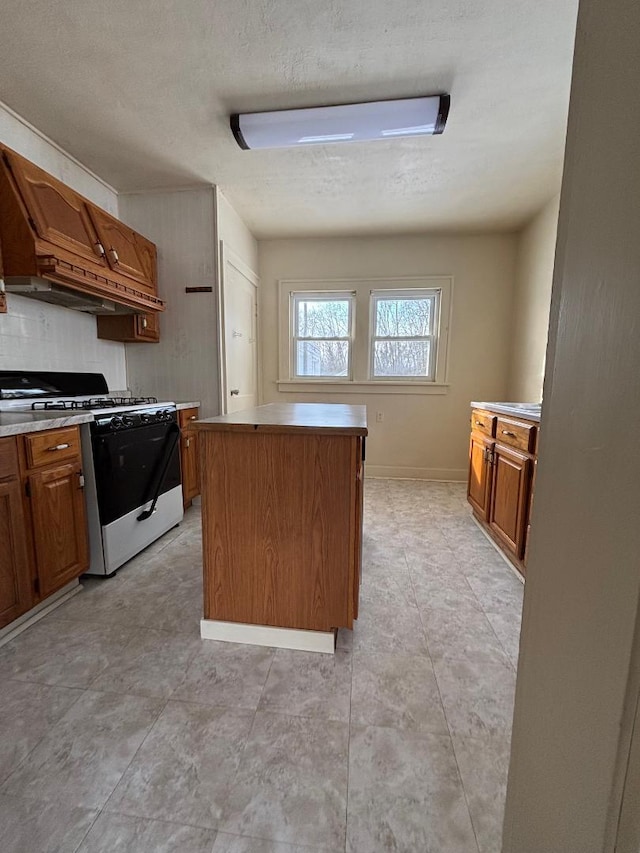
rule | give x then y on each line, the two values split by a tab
322	318
403	317
401	358
322	358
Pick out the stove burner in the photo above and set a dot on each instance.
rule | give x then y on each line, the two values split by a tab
94	403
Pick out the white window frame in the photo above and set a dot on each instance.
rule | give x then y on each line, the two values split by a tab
360	380
434	294
297	296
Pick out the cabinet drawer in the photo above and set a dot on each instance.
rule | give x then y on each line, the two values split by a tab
516	434
186	417
483	422
52	446
8	459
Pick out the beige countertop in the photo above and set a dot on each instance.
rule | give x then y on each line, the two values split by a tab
182	405
528	411
15	423
291	417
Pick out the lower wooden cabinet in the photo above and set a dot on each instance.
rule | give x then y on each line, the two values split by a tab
500	485
43	527
509	499
189	455
479	483
59	525
16	588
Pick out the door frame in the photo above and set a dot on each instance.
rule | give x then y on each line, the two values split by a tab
228	256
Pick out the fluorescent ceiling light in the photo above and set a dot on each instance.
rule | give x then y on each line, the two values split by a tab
344	123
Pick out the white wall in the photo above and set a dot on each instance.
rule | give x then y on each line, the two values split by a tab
235	234
35	336
578	675
532	301
421	435
184	365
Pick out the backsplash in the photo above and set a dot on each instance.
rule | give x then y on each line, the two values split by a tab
36	336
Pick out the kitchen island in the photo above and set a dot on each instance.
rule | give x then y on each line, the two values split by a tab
282	523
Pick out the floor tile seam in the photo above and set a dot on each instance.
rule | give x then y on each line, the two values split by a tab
455	758
107	621
133	757
5	779
230	787
89	828
125	813
401	729
500	643
312	848
424	631
346	799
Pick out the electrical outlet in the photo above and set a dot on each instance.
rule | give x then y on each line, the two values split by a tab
379	417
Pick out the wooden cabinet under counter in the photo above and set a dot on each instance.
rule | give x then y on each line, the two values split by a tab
282	522
502	457
189	454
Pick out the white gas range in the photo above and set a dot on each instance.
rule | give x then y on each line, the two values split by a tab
130	455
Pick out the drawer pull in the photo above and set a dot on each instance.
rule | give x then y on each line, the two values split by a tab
113	256
479	423
188	443
508	432
193	417
59	447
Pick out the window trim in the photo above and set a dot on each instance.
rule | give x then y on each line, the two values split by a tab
360	381
323	295
434	293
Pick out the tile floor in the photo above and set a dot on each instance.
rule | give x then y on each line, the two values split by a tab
120	730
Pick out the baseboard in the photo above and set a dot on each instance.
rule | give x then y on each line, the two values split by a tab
392	472
265	635
39	611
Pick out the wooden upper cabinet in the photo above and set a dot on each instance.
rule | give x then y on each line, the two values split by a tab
127	252
58	214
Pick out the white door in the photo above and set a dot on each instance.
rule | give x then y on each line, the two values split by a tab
240	340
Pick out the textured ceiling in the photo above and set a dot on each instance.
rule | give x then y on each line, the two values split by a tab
140	91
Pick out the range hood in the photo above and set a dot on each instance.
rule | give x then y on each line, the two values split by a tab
66	297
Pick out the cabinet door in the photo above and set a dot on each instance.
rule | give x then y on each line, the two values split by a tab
189	455
479	483
127	252
509	497
59	526
148	327
15	577
58	214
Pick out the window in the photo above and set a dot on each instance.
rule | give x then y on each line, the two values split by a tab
403	340
321	334
367	335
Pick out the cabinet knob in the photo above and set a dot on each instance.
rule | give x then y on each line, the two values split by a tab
193	417
113	256
98	248
59	447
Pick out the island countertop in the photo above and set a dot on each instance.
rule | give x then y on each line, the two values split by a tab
336	418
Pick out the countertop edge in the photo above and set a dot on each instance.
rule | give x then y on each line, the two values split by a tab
510	411
195	404
217	426
29	425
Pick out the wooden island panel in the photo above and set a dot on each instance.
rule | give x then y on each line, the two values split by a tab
282	515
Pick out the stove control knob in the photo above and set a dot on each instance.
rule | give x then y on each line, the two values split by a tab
116	423
165	414
127	421
145	417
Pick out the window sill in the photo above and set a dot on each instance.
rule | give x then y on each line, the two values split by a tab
368	386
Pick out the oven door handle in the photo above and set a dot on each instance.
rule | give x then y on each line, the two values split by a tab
174	430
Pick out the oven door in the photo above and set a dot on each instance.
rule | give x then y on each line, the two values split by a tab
128	465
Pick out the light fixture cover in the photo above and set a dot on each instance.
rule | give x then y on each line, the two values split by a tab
344	123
